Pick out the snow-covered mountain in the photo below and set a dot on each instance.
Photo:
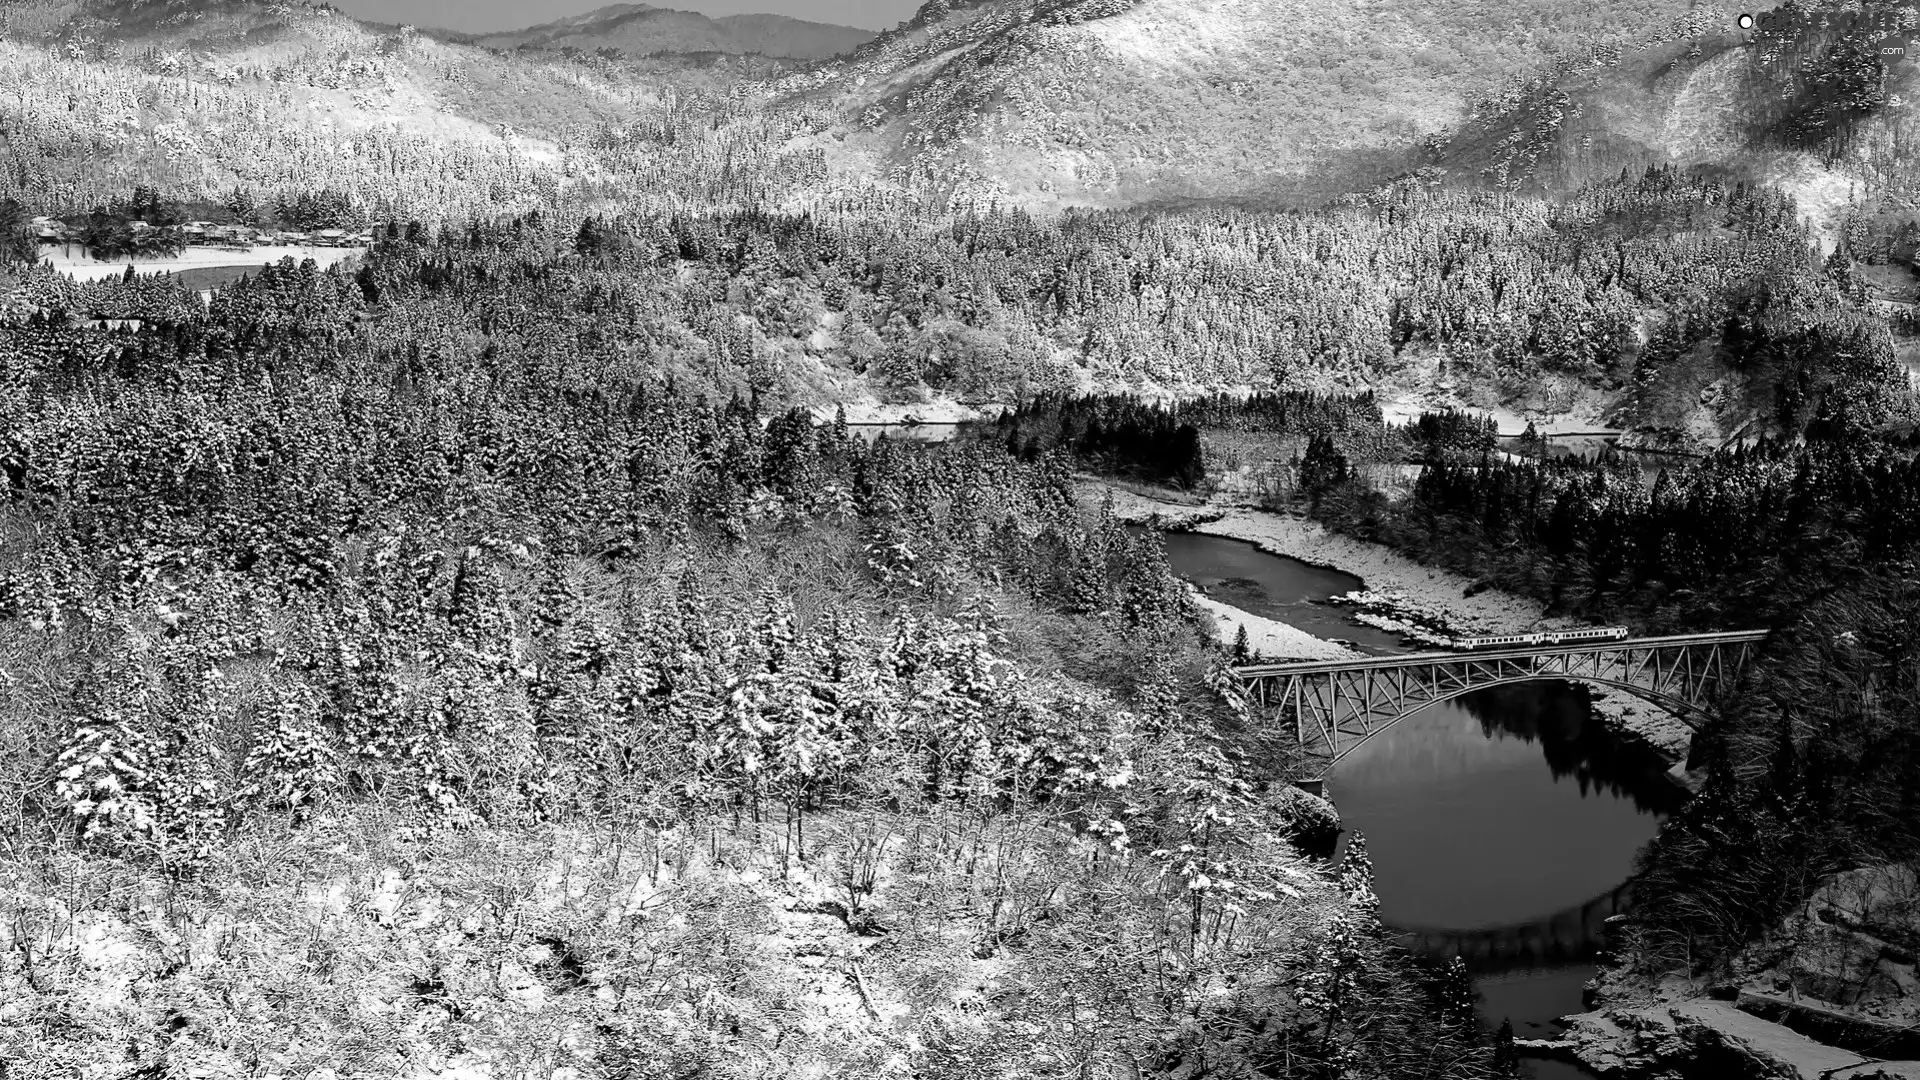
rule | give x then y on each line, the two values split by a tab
1041	103
1116	102
1806	100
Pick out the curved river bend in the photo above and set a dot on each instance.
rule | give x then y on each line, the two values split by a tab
1501	824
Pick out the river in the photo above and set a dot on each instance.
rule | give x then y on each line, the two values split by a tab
1239	574
1500	824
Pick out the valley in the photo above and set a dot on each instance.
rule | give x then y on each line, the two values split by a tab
1463	768
695	543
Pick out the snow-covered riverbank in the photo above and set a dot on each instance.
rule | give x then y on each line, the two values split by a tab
1422	593
1270	640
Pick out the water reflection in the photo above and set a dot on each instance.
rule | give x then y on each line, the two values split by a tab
1550	941
1469	831
1513	866
1559	718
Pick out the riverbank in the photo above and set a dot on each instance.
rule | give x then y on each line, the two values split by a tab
1270	640
1420	593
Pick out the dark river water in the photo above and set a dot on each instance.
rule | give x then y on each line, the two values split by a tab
1500	824
1237	573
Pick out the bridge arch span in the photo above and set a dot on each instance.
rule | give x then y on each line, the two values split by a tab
1343	703
1687	713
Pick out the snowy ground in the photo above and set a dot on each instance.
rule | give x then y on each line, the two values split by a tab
937	410
1583	416
1422	590
75	261
1269	640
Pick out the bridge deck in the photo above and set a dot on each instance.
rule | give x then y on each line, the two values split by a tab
1380	663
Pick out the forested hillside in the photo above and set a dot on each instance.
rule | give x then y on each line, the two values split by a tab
473	658
1044	105
280	99
1039	105
1804	100
405	702
1690	309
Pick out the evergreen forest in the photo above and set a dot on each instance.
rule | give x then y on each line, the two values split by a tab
401	645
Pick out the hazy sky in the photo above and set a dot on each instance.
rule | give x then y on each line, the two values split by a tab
480	15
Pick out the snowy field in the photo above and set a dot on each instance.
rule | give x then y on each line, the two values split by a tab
937	410
74	260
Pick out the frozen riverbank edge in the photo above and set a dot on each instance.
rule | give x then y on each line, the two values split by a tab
1422	589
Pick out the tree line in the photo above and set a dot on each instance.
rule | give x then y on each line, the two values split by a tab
1490	290
1161	442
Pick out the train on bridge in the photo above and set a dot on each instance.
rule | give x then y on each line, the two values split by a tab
1544	637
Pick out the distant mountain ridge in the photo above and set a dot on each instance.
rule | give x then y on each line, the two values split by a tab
641	29
279	98
1043	104
1050	103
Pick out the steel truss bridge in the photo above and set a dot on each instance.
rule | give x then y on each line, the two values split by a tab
1340	704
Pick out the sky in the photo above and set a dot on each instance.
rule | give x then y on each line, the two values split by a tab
490	15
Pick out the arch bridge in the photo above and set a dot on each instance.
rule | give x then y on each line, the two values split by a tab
1343	703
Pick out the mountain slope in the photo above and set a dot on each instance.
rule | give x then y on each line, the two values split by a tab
640	30
1111	102
281	98
1803	102
1041	103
